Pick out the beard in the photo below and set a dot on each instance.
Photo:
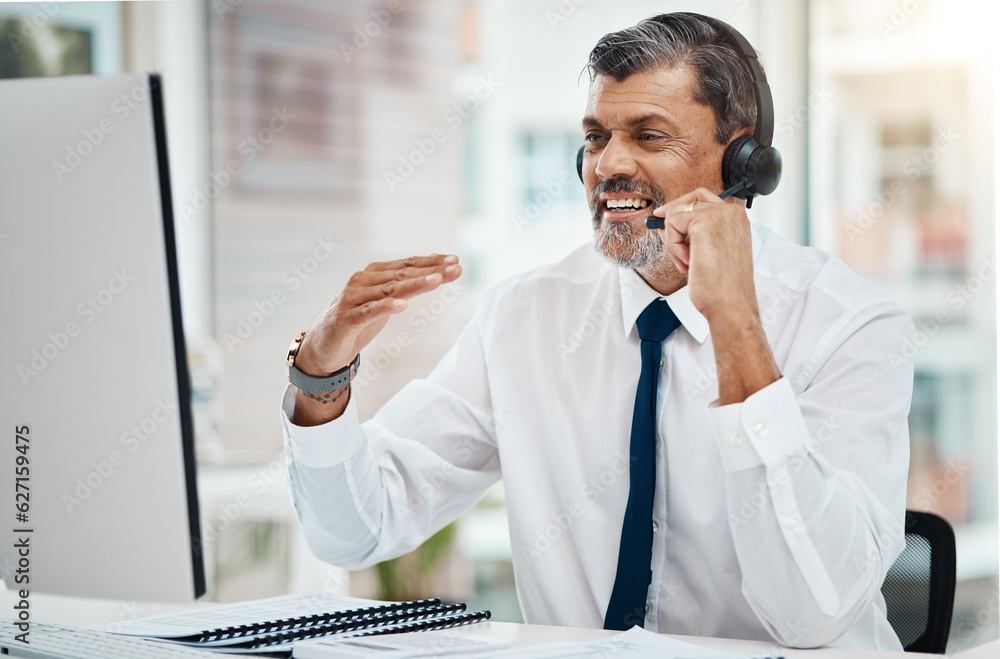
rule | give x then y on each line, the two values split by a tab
618	242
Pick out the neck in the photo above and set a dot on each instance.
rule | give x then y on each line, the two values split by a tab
663	276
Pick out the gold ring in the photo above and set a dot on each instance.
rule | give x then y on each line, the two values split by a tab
688	207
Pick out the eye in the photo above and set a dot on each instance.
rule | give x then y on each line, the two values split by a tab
649	137
593	137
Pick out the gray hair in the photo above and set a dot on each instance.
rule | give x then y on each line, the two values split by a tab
725	82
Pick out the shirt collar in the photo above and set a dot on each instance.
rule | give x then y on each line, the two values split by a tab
637	294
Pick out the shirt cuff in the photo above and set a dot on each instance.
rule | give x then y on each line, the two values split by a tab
763	429
325	445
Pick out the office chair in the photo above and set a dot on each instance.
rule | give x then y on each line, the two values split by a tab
919	588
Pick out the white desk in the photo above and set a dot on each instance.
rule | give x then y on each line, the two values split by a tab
81	612
536	634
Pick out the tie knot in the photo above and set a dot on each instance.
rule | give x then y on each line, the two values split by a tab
656	321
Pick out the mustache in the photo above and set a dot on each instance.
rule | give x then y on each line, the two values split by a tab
639	186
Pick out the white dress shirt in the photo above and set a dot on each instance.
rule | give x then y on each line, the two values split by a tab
773	518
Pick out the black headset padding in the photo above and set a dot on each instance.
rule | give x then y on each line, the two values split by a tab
746	160
765	165
579	163
735	160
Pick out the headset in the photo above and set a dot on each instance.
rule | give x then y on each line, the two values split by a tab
750	166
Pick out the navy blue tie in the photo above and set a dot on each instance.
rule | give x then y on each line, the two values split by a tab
628	598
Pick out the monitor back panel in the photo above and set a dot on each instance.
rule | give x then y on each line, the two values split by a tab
93	418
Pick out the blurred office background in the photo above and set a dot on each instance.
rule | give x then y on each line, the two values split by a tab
311	137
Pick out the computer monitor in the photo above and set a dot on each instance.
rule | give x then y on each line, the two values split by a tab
96	439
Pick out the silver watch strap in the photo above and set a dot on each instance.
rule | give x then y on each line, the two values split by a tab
322	385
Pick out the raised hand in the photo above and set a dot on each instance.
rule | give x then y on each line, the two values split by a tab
356	315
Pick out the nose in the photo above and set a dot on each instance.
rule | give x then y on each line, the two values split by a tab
616	160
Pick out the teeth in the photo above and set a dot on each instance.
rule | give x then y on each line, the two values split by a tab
628	203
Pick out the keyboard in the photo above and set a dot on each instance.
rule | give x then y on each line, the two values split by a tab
58	642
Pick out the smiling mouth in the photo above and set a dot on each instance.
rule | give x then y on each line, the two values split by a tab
622	209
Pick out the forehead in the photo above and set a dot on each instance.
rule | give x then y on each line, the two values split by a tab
663	91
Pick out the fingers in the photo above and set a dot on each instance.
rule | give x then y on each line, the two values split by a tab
699	196
369	312
677	246
359	312
415	262
374	277
679	214
401	283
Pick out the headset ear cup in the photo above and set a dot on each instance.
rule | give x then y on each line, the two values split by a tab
579	163
765	163
736	160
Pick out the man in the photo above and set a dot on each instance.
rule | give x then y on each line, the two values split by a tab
777	436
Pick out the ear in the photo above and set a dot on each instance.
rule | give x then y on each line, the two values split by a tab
746	130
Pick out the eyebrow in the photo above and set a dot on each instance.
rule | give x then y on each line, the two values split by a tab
650	118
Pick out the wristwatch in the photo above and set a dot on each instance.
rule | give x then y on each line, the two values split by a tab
318	385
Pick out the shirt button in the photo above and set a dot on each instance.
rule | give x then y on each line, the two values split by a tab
291	440
791	522
656	526
760	429
648	609
736	439
662	362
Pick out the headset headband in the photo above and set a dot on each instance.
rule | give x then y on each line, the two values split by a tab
764	130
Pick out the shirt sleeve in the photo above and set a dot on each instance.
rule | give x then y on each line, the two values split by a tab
365	493
816	482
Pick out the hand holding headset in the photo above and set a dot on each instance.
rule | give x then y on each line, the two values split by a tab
750	166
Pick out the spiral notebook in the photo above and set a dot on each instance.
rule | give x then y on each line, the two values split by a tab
271	626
